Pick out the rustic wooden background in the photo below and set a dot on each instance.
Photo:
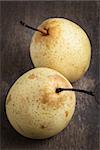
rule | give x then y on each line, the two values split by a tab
82	132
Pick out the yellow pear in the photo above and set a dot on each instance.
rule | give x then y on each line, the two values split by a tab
64	46
34	108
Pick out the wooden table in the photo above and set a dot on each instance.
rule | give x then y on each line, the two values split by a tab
82	132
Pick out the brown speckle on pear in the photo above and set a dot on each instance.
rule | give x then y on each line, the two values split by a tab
66	113
43	127
52	100
32	76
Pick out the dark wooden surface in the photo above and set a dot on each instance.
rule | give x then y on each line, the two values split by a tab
82	132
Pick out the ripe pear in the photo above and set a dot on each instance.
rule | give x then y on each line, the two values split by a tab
64	46
34	108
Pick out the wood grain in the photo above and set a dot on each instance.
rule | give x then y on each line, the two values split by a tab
82	132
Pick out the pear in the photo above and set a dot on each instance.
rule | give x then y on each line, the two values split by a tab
33	106
61	45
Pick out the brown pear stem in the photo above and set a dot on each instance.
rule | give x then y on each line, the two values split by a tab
25	25
58	90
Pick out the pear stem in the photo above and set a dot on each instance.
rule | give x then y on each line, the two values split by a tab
25	25
58	90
